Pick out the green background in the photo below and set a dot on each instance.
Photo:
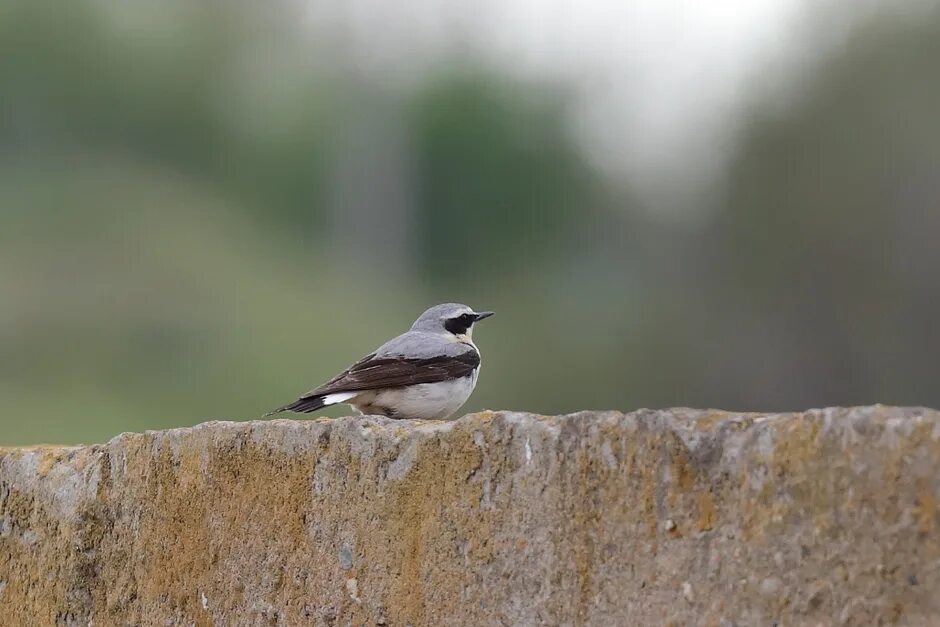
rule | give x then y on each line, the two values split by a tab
201	218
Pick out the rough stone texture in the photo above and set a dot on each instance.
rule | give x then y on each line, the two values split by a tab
655	517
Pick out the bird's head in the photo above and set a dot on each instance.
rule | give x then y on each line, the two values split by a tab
450	318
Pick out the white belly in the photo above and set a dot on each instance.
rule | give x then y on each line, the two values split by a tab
426	401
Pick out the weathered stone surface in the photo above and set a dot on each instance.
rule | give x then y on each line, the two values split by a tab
682	516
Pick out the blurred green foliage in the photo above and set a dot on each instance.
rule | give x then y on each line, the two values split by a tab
195	206
182	86
498	177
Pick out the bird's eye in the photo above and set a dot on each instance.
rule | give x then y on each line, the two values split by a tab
468	319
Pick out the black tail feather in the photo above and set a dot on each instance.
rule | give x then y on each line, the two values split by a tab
301	406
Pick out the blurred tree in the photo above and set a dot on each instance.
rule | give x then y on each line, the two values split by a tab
499	178
186	87
827	244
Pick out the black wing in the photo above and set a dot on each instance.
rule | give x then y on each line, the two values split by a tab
373	373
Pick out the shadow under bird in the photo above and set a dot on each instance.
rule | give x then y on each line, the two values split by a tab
427	373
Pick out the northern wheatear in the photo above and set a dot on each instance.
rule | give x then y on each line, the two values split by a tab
426	373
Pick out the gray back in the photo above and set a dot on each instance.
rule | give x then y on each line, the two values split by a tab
428	337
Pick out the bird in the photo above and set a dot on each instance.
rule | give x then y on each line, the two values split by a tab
426	373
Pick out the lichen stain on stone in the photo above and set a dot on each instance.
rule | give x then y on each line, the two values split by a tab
650	484
711	419
416	512
706	512
926	512
586	517
485	417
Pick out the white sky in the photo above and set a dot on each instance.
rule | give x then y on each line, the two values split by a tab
659	71
661	79
659	84
656	80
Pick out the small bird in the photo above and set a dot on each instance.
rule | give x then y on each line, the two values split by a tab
426	373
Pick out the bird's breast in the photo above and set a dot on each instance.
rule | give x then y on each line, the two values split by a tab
428	401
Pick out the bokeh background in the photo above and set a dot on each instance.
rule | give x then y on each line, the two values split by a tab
207	208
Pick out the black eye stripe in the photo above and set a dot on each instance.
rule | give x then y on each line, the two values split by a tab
460	324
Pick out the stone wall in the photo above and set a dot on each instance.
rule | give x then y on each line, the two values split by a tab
599	518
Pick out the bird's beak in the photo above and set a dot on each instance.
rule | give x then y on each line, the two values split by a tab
483	315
